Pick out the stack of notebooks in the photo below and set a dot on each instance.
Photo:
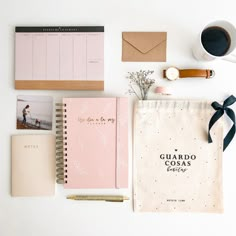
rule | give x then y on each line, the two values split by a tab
91	149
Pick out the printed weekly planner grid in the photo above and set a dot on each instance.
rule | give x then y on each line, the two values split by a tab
59	58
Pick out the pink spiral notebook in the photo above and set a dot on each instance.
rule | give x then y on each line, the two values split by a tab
94	139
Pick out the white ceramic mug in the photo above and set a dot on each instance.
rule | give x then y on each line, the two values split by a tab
200	53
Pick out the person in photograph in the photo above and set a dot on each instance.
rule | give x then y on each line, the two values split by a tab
37	123
25	112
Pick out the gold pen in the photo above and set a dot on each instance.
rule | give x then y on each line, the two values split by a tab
108	198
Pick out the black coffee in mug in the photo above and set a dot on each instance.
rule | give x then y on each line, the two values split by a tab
216	40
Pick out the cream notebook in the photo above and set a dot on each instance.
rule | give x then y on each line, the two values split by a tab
33	165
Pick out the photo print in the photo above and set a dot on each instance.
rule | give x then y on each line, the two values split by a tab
34	112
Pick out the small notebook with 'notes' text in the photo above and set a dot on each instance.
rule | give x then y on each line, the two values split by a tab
33	165
92	142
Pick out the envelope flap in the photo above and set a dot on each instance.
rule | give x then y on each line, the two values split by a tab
144	41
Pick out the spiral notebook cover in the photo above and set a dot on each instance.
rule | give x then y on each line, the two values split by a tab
95	143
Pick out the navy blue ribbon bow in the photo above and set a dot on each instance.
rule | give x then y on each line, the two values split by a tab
220	109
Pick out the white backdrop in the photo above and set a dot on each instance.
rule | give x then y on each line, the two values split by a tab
182	20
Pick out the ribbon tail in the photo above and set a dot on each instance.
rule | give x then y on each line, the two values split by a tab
228	138
230	135
213	120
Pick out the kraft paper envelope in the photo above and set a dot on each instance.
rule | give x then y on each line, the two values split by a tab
144	46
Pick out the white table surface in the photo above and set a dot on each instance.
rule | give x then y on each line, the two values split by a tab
182	20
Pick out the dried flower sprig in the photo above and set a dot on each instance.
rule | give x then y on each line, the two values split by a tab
140	81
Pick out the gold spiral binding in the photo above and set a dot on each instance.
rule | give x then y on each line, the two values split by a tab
61	144
65	142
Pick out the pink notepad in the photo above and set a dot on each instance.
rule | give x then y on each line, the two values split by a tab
65	58
95	145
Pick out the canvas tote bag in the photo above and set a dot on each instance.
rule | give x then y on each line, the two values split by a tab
175	168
